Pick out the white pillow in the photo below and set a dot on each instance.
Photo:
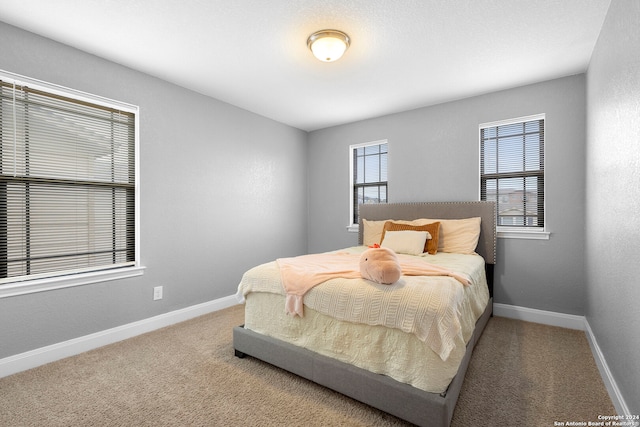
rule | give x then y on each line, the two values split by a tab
458	235
372	231
406	241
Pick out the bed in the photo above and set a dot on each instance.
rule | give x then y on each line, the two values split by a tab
398	372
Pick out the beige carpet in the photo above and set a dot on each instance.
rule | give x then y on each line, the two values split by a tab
186	375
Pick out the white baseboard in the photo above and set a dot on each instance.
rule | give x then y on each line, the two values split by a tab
607	377
40	356
569	321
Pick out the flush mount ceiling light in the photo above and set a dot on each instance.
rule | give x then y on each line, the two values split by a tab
328	45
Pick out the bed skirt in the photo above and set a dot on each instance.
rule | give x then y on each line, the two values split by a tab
379	391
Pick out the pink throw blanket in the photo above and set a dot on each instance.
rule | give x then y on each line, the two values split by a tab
300	274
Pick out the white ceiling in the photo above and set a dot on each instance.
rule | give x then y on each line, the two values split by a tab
404	54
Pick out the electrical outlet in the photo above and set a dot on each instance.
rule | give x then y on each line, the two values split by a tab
157	293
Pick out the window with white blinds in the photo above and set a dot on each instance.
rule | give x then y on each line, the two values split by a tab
368	175
512	171
67	183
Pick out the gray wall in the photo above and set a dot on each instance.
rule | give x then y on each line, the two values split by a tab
222	189
613	201
434	156
219	181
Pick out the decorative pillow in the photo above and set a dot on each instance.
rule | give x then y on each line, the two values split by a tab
372	232
431	246
405	241
458	235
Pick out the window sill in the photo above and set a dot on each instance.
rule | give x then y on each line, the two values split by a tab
48	284
506	233
502	233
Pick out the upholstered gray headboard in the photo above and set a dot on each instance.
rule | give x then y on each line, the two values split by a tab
440	210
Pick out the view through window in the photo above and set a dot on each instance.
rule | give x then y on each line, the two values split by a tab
369	175
512	171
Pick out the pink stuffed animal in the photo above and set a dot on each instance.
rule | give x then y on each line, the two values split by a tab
380	265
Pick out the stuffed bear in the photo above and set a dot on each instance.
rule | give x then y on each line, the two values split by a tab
380	265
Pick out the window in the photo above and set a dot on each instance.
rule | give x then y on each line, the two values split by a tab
67	182
368	175
512	171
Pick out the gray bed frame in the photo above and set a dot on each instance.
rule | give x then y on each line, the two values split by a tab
379	391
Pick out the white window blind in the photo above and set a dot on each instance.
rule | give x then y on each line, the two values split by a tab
369	175
512	171
67	184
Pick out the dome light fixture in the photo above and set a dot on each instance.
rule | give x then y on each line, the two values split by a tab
328	45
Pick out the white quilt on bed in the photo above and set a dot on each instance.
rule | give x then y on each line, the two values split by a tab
428	307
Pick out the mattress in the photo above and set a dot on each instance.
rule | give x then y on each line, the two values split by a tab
383	347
